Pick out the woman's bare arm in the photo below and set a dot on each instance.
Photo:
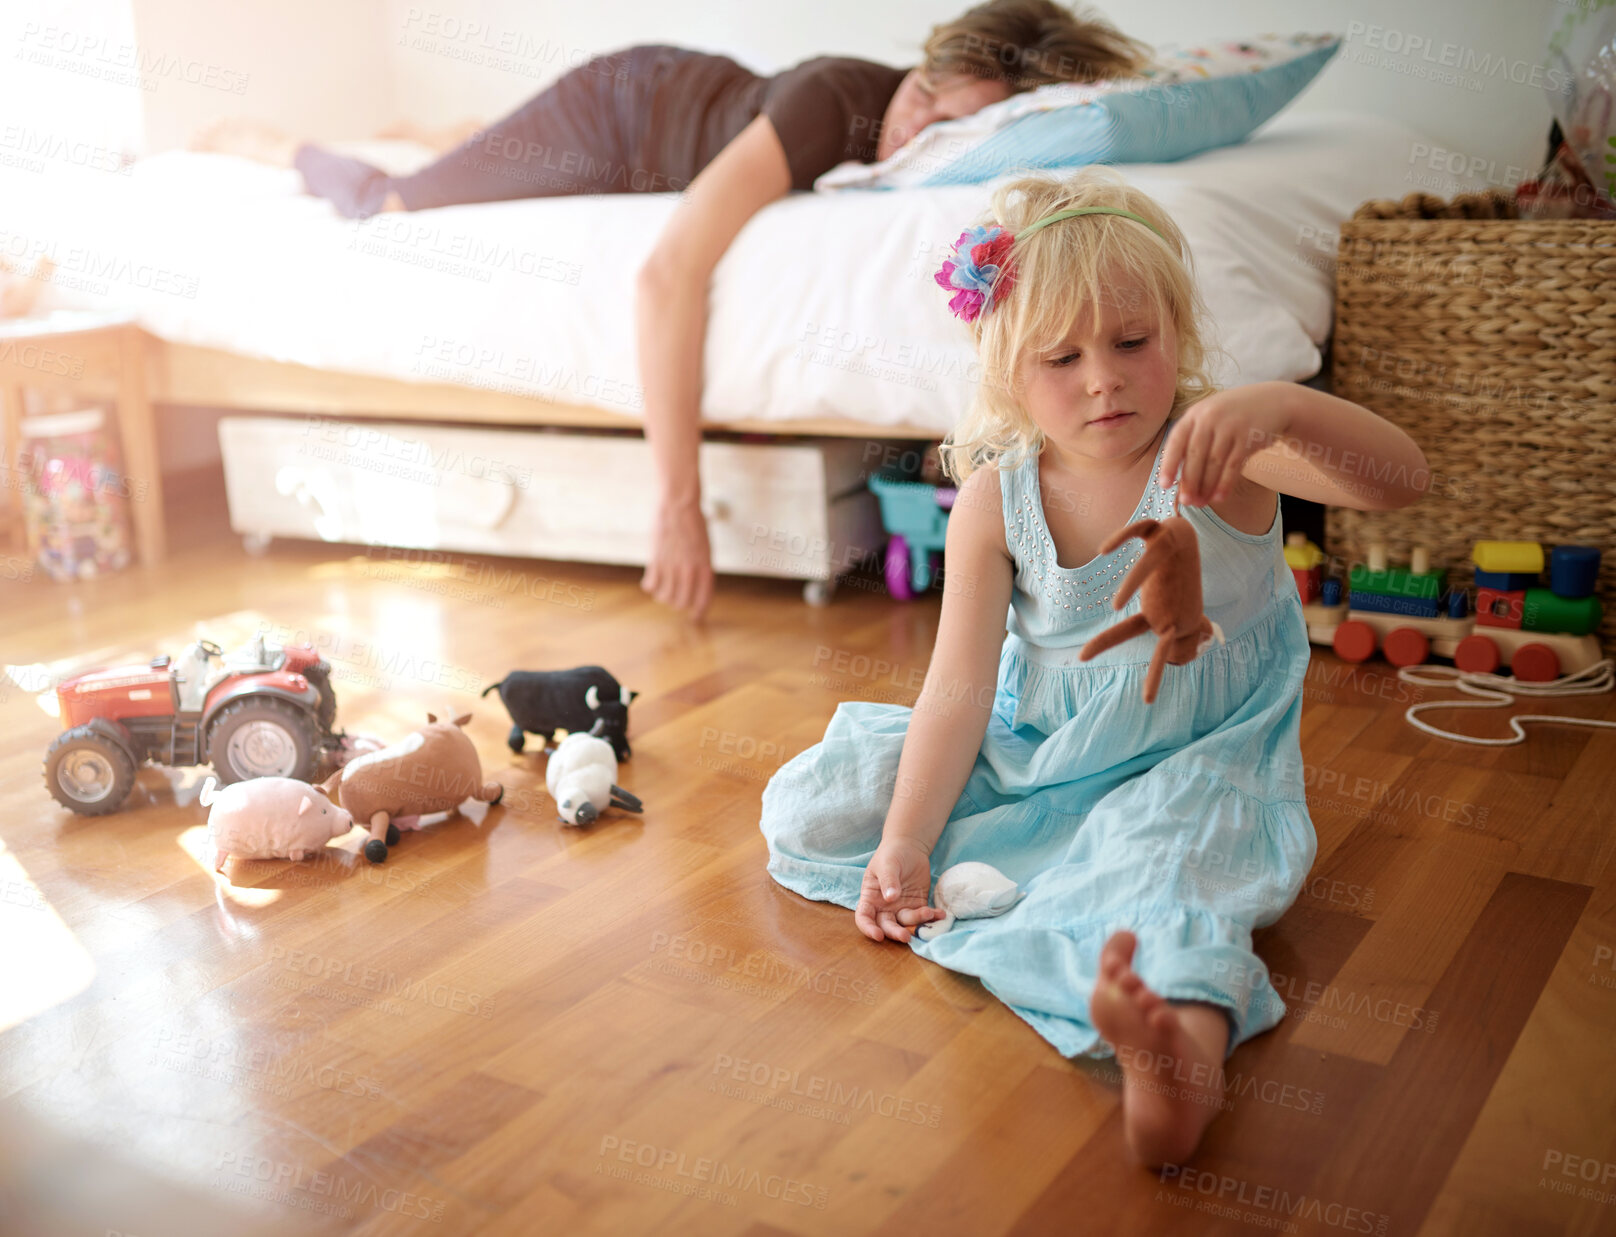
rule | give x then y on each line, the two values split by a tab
951	714
671	319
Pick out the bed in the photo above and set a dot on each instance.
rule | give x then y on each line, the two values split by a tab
824	320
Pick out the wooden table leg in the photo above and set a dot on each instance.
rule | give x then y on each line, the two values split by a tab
12	514
138	429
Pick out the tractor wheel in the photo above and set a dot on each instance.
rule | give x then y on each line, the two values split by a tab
261	736
87	772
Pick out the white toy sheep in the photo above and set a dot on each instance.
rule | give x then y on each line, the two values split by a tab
970	891
582	776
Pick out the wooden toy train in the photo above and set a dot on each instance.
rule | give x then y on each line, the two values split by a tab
1409	614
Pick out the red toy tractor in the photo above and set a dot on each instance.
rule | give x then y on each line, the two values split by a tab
261	711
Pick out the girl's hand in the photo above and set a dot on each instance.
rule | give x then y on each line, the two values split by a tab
897	883
1214	439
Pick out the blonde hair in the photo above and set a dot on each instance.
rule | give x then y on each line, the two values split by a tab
1060	273
1030	43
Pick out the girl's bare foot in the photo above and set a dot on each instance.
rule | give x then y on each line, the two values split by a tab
1171	1058
251	139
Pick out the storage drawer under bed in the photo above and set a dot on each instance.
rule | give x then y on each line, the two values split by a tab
793	509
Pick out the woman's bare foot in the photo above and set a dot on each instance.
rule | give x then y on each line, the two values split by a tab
251	139
1171	1058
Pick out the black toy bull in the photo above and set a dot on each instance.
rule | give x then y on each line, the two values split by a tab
543	701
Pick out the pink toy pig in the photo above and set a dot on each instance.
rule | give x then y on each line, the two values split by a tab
270	818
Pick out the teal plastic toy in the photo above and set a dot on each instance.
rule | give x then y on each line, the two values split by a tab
915	516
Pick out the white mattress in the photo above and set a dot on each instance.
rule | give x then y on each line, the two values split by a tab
824	305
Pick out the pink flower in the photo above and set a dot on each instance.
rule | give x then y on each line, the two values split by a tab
979	273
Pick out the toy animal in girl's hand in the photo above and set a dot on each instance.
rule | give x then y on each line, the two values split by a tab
582	777
433	770
1168	577
270	818
969	891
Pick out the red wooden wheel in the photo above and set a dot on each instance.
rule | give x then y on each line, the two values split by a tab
1535	663
1407	647
1476	655
1354	641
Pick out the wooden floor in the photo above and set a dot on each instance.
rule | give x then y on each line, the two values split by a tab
513	1027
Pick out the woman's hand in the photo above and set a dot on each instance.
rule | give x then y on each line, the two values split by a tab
680	572
897	884
1214	439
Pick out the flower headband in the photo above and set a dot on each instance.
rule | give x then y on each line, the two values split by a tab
980	272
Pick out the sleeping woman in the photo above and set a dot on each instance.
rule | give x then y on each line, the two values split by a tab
659	119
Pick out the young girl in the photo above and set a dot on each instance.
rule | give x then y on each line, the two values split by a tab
1148	840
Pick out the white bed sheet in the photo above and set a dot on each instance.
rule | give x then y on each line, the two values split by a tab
823	307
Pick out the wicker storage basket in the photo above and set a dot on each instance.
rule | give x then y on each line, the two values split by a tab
1492	341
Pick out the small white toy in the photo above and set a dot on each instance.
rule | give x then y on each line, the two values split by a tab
270	818
970	891
582	777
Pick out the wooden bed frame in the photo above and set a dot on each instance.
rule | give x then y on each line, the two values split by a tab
180	374
144	374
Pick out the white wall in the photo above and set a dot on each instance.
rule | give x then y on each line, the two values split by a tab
317	68
61	81
437	79
1392	63
327	70
134	77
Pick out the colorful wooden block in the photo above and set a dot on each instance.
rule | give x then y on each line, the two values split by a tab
1508	556
1396	582
1384	603
1307	583
1302	553
1500	607
1573	570
1506	581
1542	610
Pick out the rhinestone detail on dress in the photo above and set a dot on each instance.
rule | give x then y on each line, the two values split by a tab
1037	554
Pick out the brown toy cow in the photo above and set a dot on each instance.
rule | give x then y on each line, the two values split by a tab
1168	579
433	770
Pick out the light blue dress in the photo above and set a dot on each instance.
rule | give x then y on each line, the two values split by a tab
1184	820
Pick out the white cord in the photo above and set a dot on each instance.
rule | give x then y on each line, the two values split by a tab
1500	690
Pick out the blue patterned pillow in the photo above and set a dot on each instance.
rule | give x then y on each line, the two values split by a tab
1190	101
